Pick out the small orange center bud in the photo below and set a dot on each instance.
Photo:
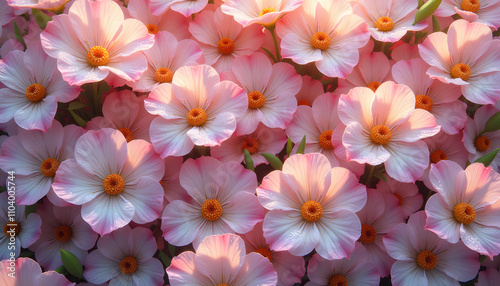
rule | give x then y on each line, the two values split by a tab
303	102
164	75
211	209
325	139
265	252
98	56
113	184
49	167
63	233
380	134
222	285
471	5
251	144
128	265
152	29
129	136
483	143
311	211
197	116
374	85
437	156
11	226
460	70
384	24
35	92
338	280
423	102
266	10
225	46
320	40
400	200
256	99
464	213
426	259
368	234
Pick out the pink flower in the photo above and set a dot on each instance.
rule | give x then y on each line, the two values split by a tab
440	99
115	182
247	12
170	181
28	272
196	109
309	91
270	88
481	11
94	40
388	21
409	199
488	277
262	140
125	257
6	14
185	7
221	260
466	56
404	52
223	202
466	206
52	5
384	127
312	206
34	86
424	259
222	39
356	270
325	32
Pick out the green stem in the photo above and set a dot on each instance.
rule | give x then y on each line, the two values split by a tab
276	48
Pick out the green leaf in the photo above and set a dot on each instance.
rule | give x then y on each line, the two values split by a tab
19	36
41	18
289	147
248	160
420	3
61	270
426	10
78	119
71	263
268	52
380	176
435	24
76	105
30	209
171	250
165	259
273	160
302	146
493	123
488	158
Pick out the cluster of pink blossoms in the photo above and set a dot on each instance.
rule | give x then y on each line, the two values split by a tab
249	142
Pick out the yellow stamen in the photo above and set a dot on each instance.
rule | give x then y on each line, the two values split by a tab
423	102
311	211
380	134
483	143
113	184
256	99
460	71
35	92
368	234
211	209
225	46
164	75
98	56
129	136
471	5
49	167
251	144
197	117
374	85
464	213
426	260
152	29
265	252
437	156
303	102
384	24
128	265
320	40
325	139
266	10
338	280
63	233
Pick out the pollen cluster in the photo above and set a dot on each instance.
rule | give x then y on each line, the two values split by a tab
98	56
265	252
437	156
63	233
225	46
464	213
460	71
338	280
152	29
128	265
49	167
483	143
256	99
368	234
325	139
251	144
164	75
380	134
384	24
320	40
129	136
311	211
471	5
426	260
113	184
423	102
211	209
197	117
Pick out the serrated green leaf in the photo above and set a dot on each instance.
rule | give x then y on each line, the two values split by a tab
19	36
41	18
76	105
493	123
248	160
273	160
488	158
435	24
302	146
268	52
30	209
426	10
165	259
71	263
289	147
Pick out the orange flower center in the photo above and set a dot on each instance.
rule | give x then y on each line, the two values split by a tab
338	280
129	136
380	134
49	167
303	102
113	184
225	46
368	234
211	209
384	24
400	200
426	259
251	144
152	29
374	85
266	10
11	225
196	117
471	5
222	285
63	233
320	40
256	99
35	92
423	102
483	143
464	213
325	139
164	75
437	156
128	265
98	56
311	211
460	70
265	252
